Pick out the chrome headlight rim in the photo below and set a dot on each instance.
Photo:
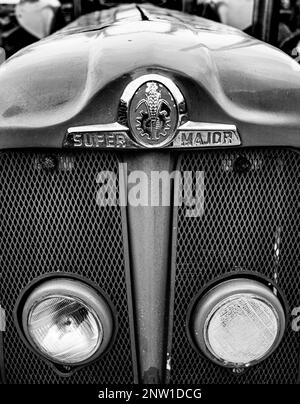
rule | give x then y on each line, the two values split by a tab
109	320
210	351
202	349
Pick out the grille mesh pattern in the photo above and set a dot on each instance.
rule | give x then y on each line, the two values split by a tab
250	221
50	222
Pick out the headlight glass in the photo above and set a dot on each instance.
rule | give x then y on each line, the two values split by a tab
241	329
65	329
238	322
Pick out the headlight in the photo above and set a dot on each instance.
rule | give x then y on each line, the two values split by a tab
67	321
238	322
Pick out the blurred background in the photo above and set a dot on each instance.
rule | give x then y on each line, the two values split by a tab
23	22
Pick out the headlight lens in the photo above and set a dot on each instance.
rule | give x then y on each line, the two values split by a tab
65	329
241	329
238	323
67	321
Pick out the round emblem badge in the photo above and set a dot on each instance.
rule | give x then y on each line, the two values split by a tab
153	114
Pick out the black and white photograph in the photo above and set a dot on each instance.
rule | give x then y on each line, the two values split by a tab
149	199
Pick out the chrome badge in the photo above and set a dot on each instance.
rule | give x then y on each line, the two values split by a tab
153	115
153	107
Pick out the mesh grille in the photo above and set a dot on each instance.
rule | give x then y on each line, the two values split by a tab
250	221
50	222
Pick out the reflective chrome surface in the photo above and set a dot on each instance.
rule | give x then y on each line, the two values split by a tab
76	78
198	135
152	114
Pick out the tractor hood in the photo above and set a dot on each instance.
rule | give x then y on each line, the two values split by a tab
76	77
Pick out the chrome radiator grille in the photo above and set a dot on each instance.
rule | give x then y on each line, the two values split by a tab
50	221
248	221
